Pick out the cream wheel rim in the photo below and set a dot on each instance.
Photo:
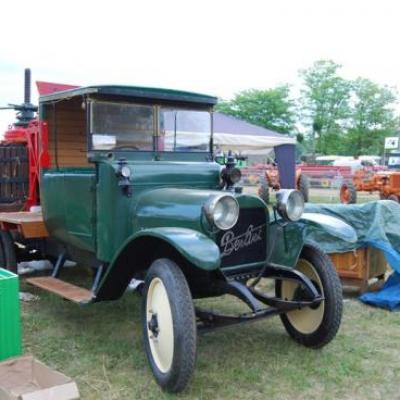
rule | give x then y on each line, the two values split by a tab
307	320
160	329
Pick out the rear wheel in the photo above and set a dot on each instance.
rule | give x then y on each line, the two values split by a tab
304	186
348	194
169	325
313	326
8	259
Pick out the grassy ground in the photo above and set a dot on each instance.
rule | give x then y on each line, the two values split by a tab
101	348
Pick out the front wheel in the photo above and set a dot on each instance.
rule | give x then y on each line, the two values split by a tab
313	326
169	325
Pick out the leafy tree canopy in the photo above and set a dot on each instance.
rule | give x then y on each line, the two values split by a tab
324	103
271	108
372	117
334	115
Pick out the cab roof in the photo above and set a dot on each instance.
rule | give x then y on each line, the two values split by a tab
133	92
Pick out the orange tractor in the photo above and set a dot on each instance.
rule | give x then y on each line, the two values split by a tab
271	180
387	183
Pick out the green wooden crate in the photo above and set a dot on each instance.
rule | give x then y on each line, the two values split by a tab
10	320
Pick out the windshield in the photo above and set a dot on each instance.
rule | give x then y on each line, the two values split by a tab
184	130
121	126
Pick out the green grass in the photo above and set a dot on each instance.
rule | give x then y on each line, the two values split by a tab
100	346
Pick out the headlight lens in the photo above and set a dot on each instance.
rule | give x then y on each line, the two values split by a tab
290	204
126	171
222	210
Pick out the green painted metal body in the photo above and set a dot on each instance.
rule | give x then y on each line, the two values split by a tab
88	211
10	320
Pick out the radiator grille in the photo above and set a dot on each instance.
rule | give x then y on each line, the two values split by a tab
246	242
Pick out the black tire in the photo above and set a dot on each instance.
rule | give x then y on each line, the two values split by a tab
325	321
304	187
263	190
348	193
181	313
8	259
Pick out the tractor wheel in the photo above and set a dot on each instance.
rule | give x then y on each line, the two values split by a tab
313	326
263	190
169	325
8	259
348	194
304	186
394	197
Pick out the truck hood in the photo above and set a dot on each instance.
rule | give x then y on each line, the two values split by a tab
177	206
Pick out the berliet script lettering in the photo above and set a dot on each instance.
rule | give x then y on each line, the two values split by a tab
231	243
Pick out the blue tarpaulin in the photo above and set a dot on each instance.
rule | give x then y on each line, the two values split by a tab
377	224
388	297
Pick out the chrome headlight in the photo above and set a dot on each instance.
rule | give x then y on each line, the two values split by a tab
222	211
290	204
126	171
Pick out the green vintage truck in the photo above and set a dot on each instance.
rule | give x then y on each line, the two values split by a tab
129	187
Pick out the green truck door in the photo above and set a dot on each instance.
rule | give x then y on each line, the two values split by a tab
79	190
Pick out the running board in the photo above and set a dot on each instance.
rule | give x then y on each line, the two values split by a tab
63	289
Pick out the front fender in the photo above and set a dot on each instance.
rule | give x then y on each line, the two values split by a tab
196	247
138	251
331	225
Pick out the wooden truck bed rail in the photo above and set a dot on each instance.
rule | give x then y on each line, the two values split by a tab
28	224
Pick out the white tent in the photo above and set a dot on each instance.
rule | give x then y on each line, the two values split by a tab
250	144
231	134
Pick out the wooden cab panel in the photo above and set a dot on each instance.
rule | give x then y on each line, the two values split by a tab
67	133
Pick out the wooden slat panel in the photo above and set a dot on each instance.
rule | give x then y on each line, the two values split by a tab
61	288
32	230
71	135
21	217
29	224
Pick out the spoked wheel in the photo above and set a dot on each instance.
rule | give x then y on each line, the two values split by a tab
348	194
313	326
8	258
169	325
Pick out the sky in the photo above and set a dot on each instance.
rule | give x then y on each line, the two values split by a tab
216	47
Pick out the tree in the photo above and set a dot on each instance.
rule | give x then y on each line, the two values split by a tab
324	105
271	108
372	117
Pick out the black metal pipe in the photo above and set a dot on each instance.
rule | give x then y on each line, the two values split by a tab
27	91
